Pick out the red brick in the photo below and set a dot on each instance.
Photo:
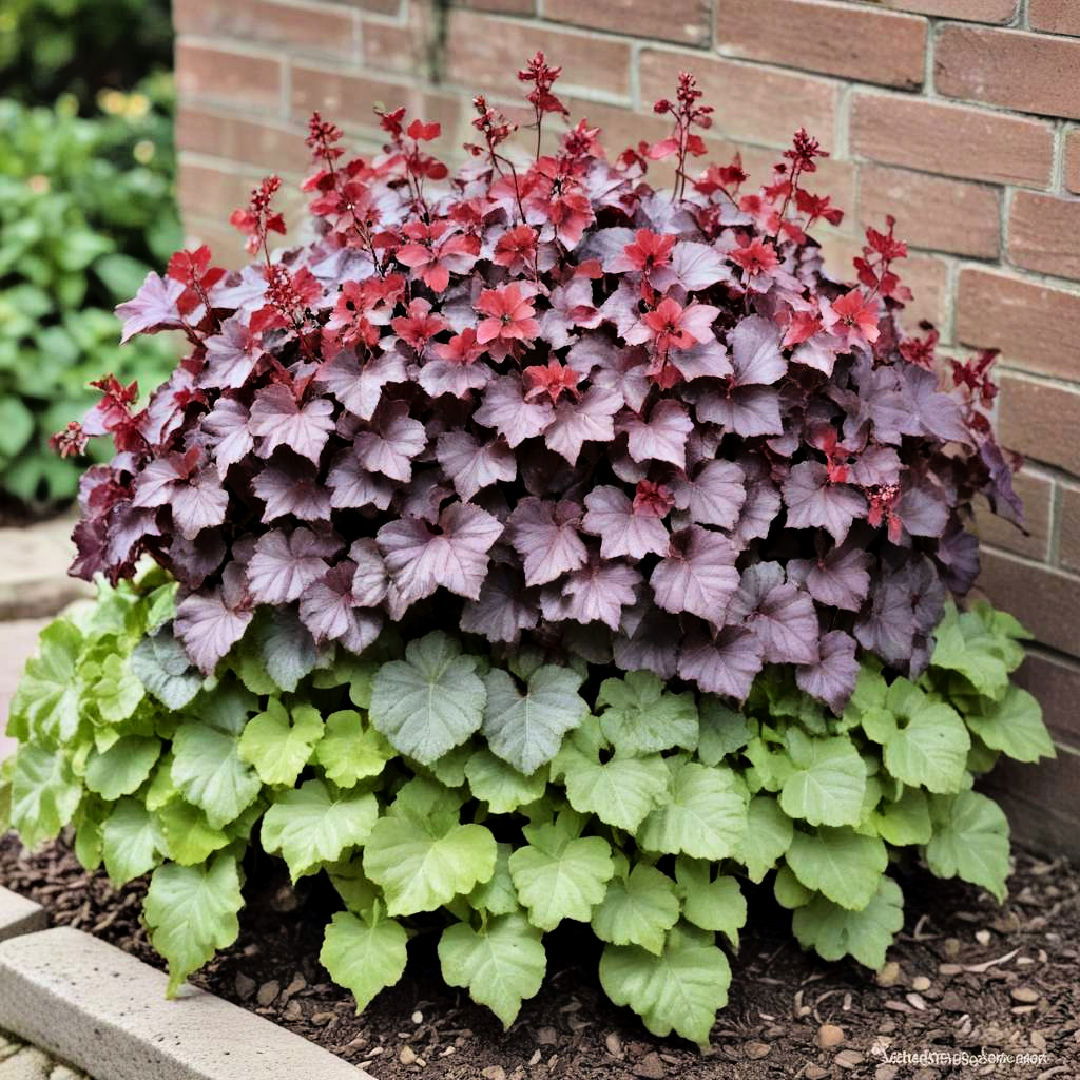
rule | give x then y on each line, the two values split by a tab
1054	16
1037	494
379	7
835	39
1056	683
225	242
1072	160
483	52
986	11
394	48
272	22
1033	325
952	140
269	146
677	20
931	211
753	104
1028	72
1069	530
1044	600
1044	234
505	7
1041	419
209	74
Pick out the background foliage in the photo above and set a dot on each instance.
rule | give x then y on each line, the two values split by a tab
86	209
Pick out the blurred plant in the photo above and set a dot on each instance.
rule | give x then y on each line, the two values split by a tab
86	208
50	47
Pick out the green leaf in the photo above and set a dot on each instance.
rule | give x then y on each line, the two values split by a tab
621	791
560	877
834	932
904	822
188	835
970	841
1013	725
722	730
717	905
364	957
925	741
637	909
191	913
16	426
705	817
423	864
160	663
208	771
431	701
641	719
350	751
965	643
123	768
500	965
285	647
789	892
768	836
47	697
828	783
44	794
840	863
526	729
501	786
130	841
680	990
279	749
117	692
498	895
313	825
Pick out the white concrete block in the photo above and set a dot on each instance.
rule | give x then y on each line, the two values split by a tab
19	915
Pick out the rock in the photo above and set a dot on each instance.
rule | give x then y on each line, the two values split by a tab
292	1012
28	1064
952	947
953	1002
815	1072
62	1072
613	1045
493	1072
1026	995
650	1067
886	1072
889	975
848	1059
417	1017
547	1036
982	937
407	1056
755	1051
829	1035
267	992
920	982
244	986
298	983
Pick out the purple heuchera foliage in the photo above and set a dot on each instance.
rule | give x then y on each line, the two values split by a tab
549	404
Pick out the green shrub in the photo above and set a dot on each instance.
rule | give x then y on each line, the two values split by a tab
86	208
510	794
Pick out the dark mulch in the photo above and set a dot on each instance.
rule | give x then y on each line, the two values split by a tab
966	978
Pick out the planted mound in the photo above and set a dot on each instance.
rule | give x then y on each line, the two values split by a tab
571	792
545	547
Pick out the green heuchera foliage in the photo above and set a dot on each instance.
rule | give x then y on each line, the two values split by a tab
86	208
511	795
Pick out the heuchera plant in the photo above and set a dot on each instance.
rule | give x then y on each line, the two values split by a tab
545	548
545	403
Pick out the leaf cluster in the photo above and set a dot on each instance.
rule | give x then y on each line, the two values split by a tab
437	785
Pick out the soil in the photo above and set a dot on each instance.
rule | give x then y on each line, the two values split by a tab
965	978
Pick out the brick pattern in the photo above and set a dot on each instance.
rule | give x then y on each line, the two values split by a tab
960	117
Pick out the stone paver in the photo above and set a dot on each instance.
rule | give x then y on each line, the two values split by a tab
33	570
19	1061
18	641
19	915
91	1004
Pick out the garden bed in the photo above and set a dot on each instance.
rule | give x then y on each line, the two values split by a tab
948	993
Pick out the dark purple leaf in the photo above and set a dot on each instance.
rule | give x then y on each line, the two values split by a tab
353	487
503	609
748	411
370	579
472	465
841	578
888	628
329	610
447	377
545	535
813	502
596	593
231	356
832	678
707	361
755	352
392	443
286	563
697	575
999	486
288	486
693	266
922	508
777	613
199	503
505	409
876	466
153	308
714	496
726	665
660	438
279	420
230	440
929	410
209	627
359	387
650	644
622	530
587	420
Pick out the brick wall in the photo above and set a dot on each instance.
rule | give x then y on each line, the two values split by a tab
961	117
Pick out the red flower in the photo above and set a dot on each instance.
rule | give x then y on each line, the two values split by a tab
648	251
418	326
461	348
433	253
757	259
652	500
510	315
551	379
853	317
671	326
516	249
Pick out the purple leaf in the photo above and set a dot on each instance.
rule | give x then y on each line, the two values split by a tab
612	367
359	387
888	628
587	420
596	593
370	579
472	465
286	563
209	627
922	508
755	352
280	420
230	440
392	443
231	356
958	553
622	530
832	678
697	575
505	409
328	609
456	557
198	503
748	411
545	535
503	609
353	487
693	266
707	361
876	466
715	495
999	485
841	578
193	561
292	487
651	644
726	665
930	411
153	308
155	485
780	616
813	502
662	437
759	511
447	377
